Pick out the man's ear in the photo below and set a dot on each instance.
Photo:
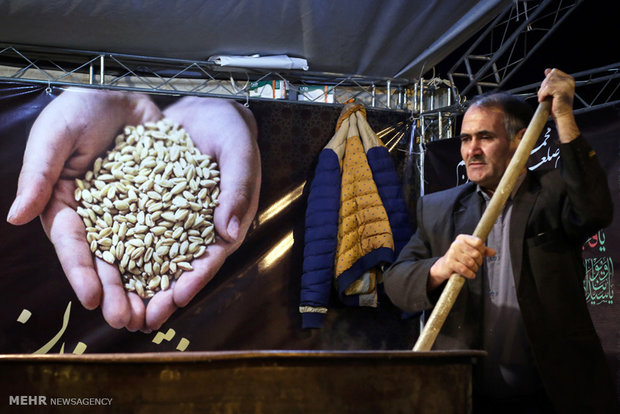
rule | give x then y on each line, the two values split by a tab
517	138
520	135
514	143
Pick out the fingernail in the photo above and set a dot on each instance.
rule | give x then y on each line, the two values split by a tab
13	210
233	227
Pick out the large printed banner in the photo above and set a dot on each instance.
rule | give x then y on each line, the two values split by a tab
601	253
252	300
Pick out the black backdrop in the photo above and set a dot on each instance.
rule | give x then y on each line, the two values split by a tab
248	305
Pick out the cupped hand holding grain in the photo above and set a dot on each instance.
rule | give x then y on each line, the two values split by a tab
66	137
72	131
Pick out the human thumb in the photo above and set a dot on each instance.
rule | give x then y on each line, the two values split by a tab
33	193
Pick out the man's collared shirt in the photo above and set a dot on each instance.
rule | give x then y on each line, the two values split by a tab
509	369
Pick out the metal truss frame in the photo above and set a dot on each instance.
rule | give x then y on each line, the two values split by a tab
594	89
66	67
501	48
505	45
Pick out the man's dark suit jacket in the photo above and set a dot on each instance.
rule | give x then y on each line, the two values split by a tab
554	212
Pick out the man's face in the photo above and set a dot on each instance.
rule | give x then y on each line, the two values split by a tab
485	146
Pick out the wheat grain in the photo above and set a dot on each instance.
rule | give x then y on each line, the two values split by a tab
147	205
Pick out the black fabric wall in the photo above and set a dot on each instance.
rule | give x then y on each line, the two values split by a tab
246	306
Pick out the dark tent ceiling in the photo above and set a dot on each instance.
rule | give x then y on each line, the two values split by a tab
392	38
404	39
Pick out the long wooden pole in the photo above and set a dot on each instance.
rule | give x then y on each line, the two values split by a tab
496	204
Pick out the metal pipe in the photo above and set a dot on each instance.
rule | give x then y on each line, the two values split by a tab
373	95
440	125
102	70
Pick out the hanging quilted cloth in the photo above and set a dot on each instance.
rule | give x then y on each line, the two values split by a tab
356	219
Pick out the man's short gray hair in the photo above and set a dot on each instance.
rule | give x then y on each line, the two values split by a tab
517	112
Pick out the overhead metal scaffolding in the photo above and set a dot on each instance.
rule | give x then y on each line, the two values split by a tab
492	58
499	52
594	89
64	67
504	46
